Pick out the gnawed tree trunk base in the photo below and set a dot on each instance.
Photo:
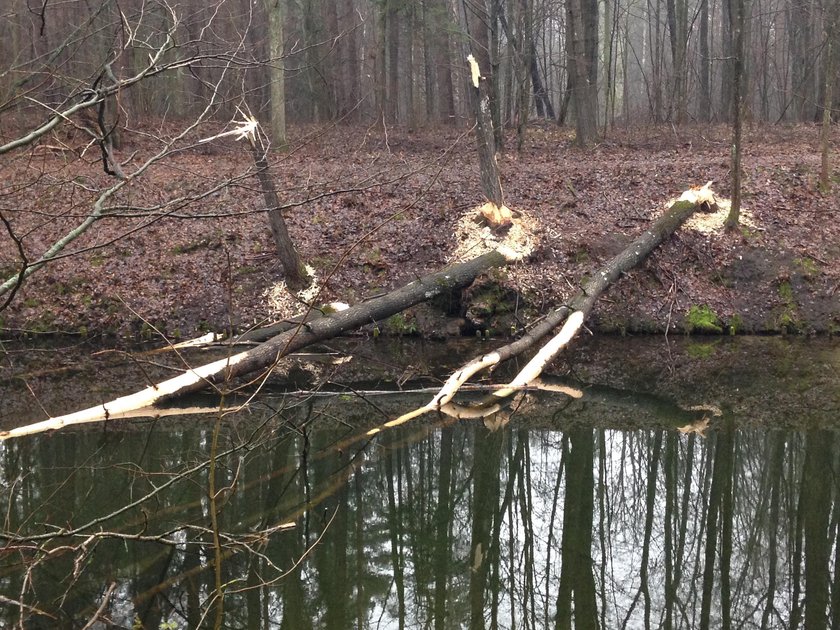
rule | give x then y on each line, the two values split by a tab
218	374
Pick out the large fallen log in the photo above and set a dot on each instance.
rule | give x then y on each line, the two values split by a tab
269	353
571	315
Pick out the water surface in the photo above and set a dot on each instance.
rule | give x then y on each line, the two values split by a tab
597	512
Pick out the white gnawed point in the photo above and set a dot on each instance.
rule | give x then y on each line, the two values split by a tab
701	194
245	128
474	70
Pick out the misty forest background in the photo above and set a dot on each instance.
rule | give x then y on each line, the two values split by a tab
587	62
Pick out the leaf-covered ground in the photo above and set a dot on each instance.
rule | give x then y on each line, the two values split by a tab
374	210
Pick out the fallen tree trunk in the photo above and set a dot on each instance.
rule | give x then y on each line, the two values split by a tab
571	315
267	354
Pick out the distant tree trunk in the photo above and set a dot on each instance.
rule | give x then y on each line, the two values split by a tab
802	63
610	23
349	62
541	96
393	34
276	74
736	12
582	63
654	21
332	63
678	37
831	55
410	25
705	60
428	62
523	48
380	60
441	56
524	84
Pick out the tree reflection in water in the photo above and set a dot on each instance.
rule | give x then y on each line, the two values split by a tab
438	527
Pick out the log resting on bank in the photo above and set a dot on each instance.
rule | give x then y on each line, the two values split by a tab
571	315
269	353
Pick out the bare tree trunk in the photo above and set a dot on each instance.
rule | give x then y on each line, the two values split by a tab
831	54
392	98
276	74
491	183
350	62
705	75
582	59
296	276
737	15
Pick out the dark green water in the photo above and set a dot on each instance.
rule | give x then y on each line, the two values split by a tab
588	513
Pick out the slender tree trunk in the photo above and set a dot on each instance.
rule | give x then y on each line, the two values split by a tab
350	63
737	16
392	107
831	54
293	268
491	183
704	62
277	78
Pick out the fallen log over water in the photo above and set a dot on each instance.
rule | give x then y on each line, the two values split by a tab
571	315
266	355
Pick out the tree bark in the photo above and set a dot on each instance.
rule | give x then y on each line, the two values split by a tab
296	276
491	183
277	77
582	57
737	11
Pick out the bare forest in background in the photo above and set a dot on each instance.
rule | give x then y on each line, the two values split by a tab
616	62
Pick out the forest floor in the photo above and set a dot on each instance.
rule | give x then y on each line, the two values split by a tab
373	210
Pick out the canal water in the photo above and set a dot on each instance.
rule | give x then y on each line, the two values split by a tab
686	483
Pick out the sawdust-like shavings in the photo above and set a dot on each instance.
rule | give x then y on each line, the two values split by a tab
282	304
475	237
711	222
